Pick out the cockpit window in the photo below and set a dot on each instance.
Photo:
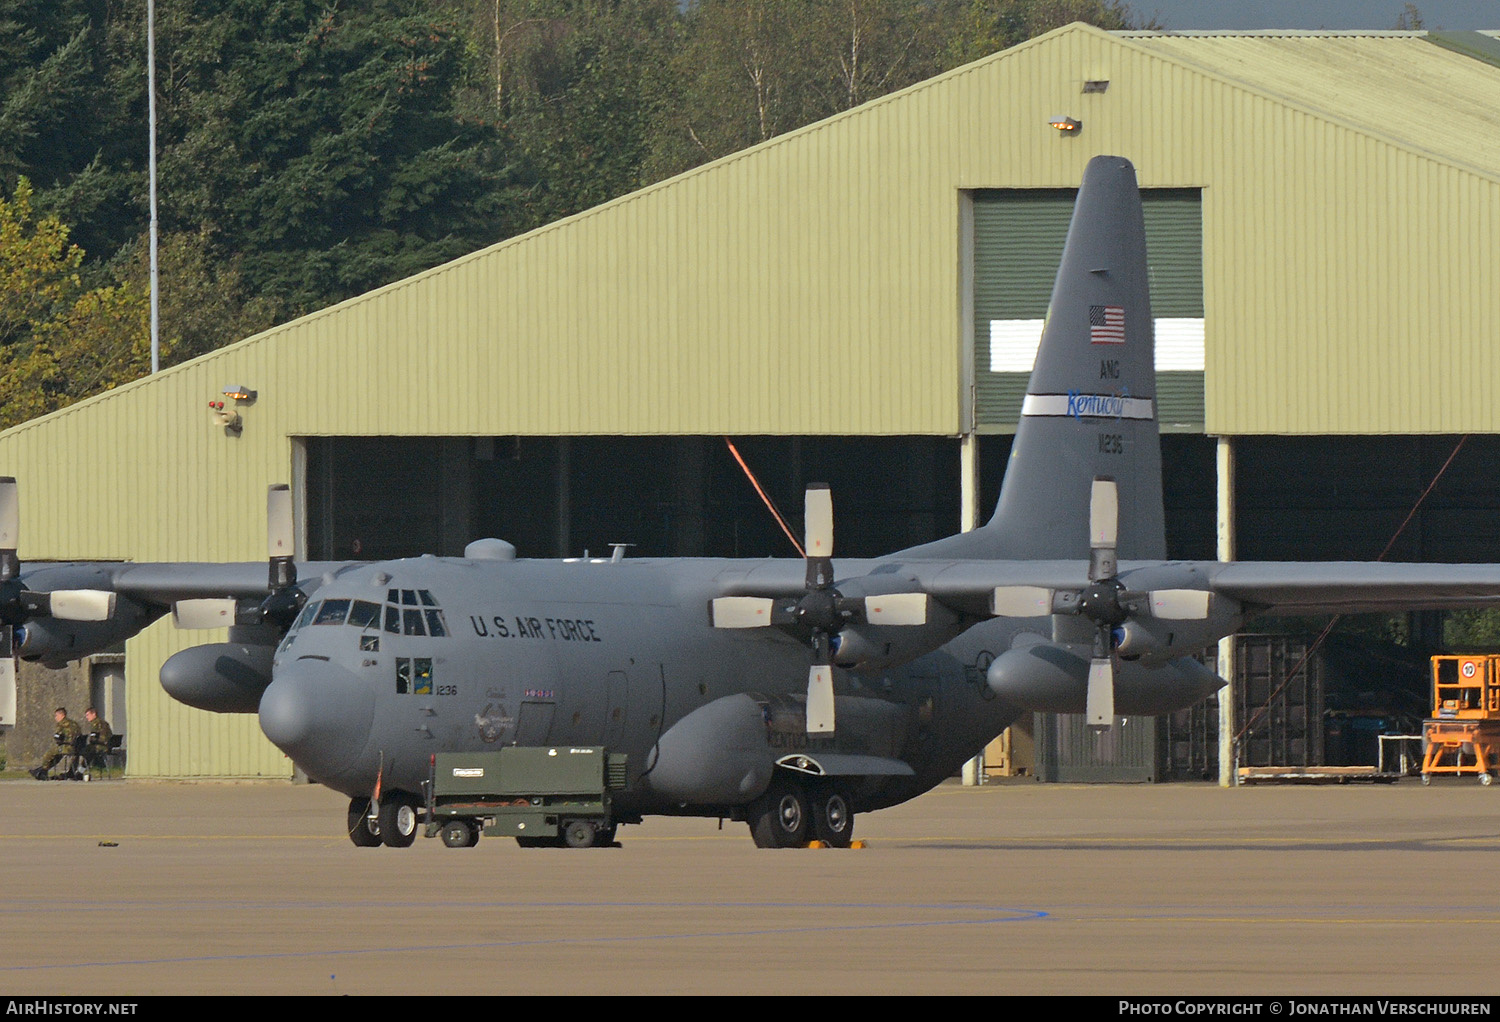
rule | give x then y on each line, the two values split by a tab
308	613
435	625
426	597
393	620
364	614
333	612
409	597
412	619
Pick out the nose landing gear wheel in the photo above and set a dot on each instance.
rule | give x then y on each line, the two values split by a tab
832	819
398	821
360	830
779	818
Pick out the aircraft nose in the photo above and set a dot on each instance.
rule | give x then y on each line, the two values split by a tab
319	714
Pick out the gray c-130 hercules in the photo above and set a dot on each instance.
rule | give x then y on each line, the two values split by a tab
787	694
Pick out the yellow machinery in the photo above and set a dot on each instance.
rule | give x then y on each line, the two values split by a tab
1463	734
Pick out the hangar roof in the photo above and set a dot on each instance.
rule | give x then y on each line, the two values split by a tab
1408	87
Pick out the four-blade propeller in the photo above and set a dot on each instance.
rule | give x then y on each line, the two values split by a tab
18	604
820	611
1104	600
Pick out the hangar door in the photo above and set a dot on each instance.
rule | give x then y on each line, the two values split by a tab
1018	243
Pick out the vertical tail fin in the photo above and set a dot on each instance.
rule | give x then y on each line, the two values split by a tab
1090	408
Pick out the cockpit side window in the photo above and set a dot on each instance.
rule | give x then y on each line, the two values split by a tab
393	620
412	619
308	613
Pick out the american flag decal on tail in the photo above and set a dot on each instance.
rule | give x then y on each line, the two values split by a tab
1106	324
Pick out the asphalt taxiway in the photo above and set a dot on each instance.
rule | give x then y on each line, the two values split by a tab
134	887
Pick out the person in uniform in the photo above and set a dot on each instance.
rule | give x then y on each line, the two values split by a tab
99	736
65	737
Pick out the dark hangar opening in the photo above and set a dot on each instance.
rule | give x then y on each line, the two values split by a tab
373	498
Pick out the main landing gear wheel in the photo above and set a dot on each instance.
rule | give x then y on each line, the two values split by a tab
780	817
361	831
460	834
398	820
832	818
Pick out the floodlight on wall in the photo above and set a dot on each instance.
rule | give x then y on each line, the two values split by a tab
239	392
1066	125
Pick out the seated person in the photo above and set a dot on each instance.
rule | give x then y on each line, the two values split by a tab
99	736
65	738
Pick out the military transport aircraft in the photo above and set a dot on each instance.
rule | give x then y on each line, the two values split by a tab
787	694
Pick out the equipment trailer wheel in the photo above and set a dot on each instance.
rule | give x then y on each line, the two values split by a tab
779	818
398	820
578	834
361	830
1486	779
460	834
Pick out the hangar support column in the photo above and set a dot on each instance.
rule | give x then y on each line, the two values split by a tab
1225	531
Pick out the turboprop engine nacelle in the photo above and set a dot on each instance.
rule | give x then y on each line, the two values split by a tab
1049	678
870	647
55	641
225	677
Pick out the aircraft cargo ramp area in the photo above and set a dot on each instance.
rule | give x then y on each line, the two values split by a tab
223	888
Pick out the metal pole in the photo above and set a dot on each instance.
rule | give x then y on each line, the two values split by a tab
151	115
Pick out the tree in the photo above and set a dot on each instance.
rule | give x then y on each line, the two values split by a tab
579	86
59	341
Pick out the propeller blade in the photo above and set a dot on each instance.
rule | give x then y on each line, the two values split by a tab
1104	513
1179	604
1021	601
820	699
818	520
741	611
212	613
10	528
77	604
896	609
7	675
1104	528
281	540
1100	705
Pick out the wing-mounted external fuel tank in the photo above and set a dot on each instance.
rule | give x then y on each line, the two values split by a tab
224	677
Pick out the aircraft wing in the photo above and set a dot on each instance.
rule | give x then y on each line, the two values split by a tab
161	585
1354	587
1283	587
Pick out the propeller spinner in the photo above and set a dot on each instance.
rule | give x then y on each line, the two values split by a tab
820	609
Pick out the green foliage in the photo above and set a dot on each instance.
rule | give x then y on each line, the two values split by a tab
59	340
310	151
1471	630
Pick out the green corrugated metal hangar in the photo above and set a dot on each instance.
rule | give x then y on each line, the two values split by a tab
853	302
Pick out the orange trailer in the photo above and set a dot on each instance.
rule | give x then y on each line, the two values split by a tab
1463	734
